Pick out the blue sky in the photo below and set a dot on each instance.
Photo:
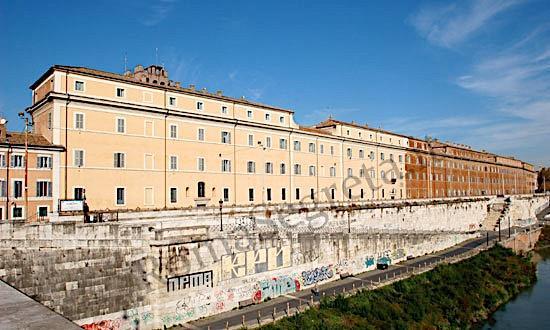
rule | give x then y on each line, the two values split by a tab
474	72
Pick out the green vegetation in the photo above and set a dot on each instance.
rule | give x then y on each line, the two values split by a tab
544	239
450	296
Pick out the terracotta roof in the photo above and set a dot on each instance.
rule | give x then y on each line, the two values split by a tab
314	130
35	140
332	122
120	77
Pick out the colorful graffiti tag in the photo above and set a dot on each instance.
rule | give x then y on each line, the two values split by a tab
315	275
274	287
369	262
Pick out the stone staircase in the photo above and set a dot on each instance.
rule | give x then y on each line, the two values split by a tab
496	212
503	215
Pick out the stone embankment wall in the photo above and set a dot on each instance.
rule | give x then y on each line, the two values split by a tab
150	273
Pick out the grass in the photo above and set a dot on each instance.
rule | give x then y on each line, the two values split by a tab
450	296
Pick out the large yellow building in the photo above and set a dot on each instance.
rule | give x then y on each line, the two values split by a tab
140	140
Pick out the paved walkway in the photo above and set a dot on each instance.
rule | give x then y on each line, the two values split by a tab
298	300
18	311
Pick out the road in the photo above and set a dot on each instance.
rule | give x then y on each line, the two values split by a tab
297	299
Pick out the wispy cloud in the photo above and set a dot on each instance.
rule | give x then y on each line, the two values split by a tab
158	11
318	115
449	25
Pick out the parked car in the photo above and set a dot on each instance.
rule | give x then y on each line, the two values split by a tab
383	263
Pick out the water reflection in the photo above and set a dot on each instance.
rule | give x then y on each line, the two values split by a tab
530	309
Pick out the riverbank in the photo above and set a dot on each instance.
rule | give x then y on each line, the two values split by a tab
544	239
455	295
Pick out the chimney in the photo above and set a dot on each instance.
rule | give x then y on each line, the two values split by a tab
178	84
204	90
192	87
3	129
219	93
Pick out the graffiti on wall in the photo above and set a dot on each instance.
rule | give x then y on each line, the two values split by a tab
344	266
369	262
254	262
316	275
188	281
274	287
131	319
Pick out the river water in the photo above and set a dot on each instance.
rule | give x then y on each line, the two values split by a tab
530	309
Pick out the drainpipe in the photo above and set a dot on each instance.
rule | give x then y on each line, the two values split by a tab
165	148
66	129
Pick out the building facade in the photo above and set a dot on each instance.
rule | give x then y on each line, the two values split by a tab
140	140
29	181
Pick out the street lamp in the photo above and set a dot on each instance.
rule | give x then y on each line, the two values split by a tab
22	116
221	218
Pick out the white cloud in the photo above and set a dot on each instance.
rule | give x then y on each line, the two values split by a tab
449	25
158	11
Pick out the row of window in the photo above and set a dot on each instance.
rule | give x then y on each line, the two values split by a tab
201	192
43	188
19	161
172	101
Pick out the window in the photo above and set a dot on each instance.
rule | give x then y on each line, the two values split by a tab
297	169
283	168
200	164
361	153
381	156
382	174
249	113
17	161
268	194
148	196
297	193
201	189
226	165
120	92
79	121
312	170
269	168
250	167
78	158
17	188
267	117
17	212
332	150
361	172
41	162
172	102
350	172
120	125
226	194
348	152
250	194
283	194
282	143
226	137
78	193
281	119
79	86
200	105
250	140
311	147
349	193
371	155
173	195
321	148
42	211
297	146
118	159
224	111
268	141
2	188
173	131
173	162
200	135
49	120
43	189
120	196
391	157
362	193
312	193
400	158
333	171
332	193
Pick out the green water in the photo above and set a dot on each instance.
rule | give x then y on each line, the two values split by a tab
531	309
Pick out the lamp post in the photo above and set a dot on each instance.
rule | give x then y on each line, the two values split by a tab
22	116
221	214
